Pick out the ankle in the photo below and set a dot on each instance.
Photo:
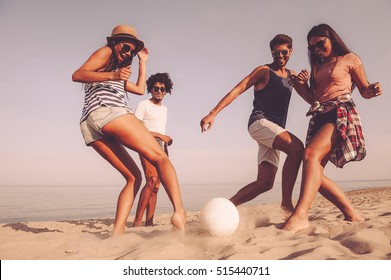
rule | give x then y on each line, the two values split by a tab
300	214
287	206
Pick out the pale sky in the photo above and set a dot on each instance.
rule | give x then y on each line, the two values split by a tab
207	47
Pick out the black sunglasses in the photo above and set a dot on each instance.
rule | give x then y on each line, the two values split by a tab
126	48
283	52
319	45
128	60
162	89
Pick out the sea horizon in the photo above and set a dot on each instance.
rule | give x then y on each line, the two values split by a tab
23	203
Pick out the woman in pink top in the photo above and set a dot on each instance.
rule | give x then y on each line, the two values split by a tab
334	132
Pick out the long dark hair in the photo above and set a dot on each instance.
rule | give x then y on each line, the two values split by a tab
339	47
111	64
324	30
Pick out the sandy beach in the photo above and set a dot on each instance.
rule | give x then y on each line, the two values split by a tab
258	236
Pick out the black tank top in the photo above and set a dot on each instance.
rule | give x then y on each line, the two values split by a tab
272	102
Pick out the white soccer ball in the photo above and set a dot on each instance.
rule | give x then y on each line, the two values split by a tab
220	217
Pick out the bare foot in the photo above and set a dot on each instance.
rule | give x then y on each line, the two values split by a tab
287	211
137	224
354	217
149	224
119	229
295	224
178	221
117	232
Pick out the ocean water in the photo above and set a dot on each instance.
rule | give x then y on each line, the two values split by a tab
57	203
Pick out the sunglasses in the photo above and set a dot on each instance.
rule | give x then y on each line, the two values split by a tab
128	60
162	89
283	52
126	48
319	45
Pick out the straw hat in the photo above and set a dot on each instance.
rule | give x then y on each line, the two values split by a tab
126	32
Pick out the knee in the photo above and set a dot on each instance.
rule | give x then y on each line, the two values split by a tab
134	179
296	150
310	154
157	157
153	183
264	185
299	148
268	185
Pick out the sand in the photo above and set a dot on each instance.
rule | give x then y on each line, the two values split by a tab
258	236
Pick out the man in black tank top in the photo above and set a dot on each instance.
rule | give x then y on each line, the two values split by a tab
267	124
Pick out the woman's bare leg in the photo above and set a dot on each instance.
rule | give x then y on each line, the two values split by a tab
130	132
119	158
319	148
335	195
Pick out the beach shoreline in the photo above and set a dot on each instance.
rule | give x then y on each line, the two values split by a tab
257	237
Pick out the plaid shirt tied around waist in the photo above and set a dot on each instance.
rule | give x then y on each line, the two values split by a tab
352	146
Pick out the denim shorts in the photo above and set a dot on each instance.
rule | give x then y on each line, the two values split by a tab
321	119
91	127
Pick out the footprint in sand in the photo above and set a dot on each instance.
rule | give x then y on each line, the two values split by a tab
357	246
365	241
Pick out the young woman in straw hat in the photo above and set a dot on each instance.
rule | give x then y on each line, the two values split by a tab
109	125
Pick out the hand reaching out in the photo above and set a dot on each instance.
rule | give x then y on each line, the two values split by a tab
207	122
374	90
299	79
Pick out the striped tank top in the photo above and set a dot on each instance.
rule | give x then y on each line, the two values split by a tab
109	94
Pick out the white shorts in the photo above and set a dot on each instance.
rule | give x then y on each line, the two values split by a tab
264	132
